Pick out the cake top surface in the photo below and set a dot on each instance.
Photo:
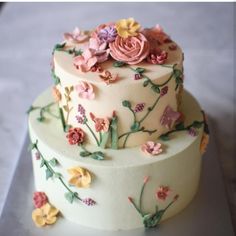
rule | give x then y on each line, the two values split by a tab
117	52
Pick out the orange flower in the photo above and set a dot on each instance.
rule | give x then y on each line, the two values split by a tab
56	94
204	143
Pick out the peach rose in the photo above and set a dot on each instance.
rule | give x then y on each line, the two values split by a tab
131	50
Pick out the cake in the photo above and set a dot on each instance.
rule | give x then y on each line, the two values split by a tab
116	142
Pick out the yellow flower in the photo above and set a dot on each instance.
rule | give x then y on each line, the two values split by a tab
46	215
81	177
204	142
127	27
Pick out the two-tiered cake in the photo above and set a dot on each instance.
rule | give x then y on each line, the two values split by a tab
119	144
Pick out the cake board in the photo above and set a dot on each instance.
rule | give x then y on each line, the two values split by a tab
208	214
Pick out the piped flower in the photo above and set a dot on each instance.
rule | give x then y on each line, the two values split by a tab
131	50
169	117
45	215
101	124
108	78
162	193
100	50
39	199
85	61
77	36
85	90
107	34
156	36
81	177
75	136
204	143
127	27
151	148
56	94
157	57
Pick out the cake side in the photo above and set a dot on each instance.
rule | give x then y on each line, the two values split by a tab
137	93
116	182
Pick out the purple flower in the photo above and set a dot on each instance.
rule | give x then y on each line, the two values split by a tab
108	34
81	116
164	91
81	110
192	132
37	155
169	117
89	202
139	107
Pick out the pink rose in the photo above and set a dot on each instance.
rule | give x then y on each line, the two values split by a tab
39	199
75	136
130	50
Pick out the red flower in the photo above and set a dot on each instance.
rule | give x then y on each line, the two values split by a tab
162	193
75	136
39	199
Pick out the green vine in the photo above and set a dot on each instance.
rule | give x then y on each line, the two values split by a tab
150	220
42	111
180	127
61	47
137	124
50	172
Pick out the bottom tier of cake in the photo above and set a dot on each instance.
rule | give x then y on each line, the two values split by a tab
126	190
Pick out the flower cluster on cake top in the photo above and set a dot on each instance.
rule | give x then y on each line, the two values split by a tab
125	41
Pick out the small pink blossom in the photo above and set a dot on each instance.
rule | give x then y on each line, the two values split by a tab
162	193
169	117
77	36
75	136
137	77
101	124
85	61
85	90
151	148
157	57
39	199
100	49
192	132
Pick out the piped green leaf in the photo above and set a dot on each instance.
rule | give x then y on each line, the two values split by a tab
114	134
59	47
145	83
53	162
42	163
164	137
98	155
119	64
135	126
179	126
105	137
126	103
140	70
70	197
49	174
85	153
197	124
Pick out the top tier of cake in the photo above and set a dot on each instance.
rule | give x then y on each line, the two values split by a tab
119	83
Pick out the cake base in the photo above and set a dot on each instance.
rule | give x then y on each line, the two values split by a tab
121	174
